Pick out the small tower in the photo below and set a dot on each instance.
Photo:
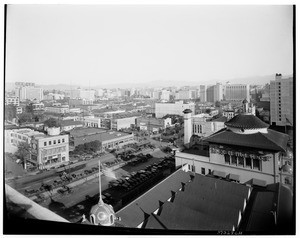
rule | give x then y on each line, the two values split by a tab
102	214
187	126
245	107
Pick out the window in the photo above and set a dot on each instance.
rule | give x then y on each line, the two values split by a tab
49	142
209	171
241	161
63	158
256	164
58	141
287	180
203	171
234	160
45	143
54	142
63	140
248	162
193	168
227	159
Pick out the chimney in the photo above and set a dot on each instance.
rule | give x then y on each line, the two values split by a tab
187	126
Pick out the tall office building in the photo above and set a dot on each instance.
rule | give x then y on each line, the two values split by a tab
237	92
218	92
210	92
281	96
31	93
202	93
165	95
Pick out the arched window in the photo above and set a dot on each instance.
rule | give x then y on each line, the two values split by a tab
111	218
93	219
227	159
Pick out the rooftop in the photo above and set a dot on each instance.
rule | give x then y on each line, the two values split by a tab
78	132
70	123
187	202
246	122
272	140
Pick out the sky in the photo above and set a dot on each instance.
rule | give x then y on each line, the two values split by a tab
111	44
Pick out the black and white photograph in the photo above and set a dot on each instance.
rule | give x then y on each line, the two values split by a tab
149	119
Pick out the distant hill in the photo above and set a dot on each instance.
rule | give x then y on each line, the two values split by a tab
253	80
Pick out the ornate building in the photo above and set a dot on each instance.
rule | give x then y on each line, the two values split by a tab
245	151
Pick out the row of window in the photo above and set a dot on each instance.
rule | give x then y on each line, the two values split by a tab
197	128
18	136
243	162
54	142
54	150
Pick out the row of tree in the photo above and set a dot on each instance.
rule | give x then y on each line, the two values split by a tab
89	147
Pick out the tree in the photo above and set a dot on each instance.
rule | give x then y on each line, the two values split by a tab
208	110
23	152
218	104
29	108
25	117
52	122
10	112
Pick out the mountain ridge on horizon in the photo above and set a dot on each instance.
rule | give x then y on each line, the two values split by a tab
255	80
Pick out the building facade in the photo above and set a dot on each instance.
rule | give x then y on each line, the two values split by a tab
30	93
12	101
177	108
123	123
281	101
245	150
237	92
202	93
153	124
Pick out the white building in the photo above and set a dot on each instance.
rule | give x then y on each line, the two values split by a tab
57	109
12	101
165	95
237	92
123	123
184	95
31	93
281	103
177	108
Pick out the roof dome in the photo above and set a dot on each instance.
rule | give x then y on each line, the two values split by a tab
102	214
246	122
287	169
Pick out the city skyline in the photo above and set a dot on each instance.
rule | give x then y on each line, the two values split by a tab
50	44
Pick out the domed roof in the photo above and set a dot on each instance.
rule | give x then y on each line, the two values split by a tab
104	214
187	111
287	169
246	122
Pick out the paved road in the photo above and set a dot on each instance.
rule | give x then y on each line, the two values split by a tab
92	187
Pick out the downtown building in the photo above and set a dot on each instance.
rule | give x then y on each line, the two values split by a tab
281	101
237	92
213	92
177	108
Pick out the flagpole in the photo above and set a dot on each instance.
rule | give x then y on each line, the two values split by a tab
100	196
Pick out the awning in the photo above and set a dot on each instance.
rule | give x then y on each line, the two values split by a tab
234	177
219	173
259	182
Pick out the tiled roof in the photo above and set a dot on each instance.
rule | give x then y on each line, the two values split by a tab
246	122
272	140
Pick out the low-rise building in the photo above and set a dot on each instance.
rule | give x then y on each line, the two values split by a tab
50	150
153	124
108	139
123	123
177	108
67	125
57	109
